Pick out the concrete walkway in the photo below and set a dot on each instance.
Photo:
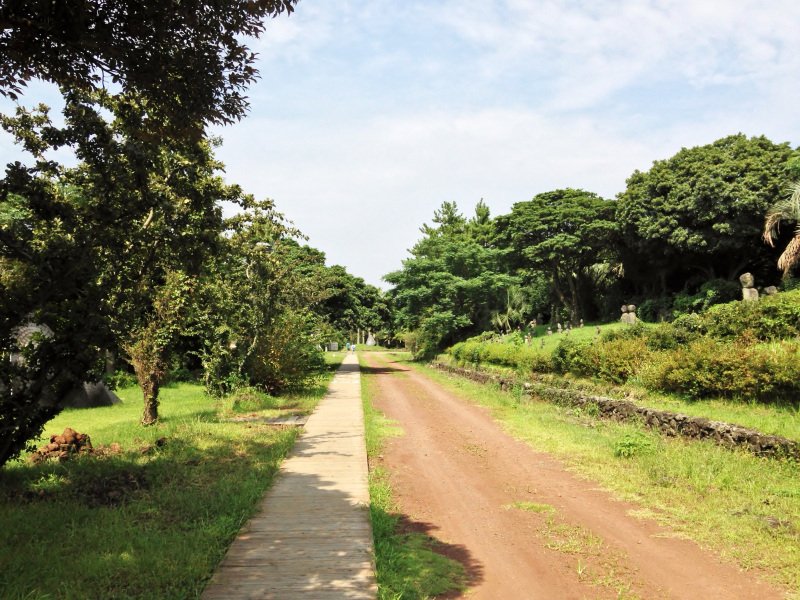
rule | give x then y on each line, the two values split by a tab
312	537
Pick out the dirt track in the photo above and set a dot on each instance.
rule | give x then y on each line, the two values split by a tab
455	472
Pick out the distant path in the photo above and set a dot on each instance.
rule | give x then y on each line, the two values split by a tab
455	472
312	538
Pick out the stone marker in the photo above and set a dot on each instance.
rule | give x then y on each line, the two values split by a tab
749	292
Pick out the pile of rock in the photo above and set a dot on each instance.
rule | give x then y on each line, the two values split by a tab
61	447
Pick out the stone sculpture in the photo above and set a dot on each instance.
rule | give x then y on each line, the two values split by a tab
628	314
749	292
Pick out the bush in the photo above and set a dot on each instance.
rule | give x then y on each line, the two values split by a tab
120	379
649	309
708	368
633	444
771	318
614	360
509	355
285	354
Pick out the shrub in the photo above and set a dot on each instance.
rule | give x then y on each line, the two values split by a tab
509	355
649	309
120	379
708	368
771	318
633	444
613	360
285	354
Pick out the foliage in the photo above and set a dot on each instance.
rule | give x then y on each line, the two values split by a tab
510	355
788	211
83	250
710	368
632	444
285	355
187	60
452	283
716	291
561	233
771	318
699	212
254	316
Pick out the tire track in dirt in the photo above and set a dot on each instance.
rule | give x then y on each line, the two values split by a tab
455	472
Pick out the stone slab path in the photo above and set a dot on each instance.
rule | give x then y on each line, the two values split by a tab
312	537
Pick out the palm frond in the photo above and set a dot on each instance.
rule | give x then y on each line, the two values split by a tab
790	256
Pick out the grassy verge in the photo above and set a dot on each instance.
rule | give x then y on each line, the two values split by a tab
745	508
141	524
407	565
770	419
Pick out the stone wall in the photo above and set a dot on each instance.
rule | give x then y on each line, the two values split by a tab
667	422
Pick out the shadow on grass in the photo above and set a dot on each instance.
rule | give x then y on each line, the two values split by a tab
137	525
412	563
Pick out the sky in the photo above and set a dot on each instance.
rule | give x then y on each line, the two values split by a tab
370	113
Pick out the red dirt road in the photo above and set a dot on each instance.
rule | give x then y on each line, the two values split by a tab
455	472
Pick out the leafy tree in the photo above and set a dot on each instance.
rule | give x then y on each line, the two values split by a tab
451	284
185	59
786	210
700	213
256	321
86	250
562	234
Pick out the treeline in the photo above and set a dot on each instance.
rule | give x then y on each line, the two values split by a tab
127	255
675	241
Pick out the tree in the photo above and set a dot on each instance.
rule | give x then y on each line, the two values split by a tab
256	321
561	233
451	284
699	213
786	210
185	59
85	251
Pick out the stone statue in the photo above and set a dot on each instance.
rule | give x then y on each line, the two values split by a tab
749	292
628	314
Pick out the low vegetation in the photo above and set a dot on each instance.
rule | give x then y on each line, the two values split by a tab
740	350
154	519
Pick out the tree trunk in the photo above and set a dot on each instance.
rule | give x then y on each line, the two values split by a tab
149	385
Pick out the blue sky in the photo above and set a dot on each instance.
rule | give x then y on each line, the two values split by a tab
369	114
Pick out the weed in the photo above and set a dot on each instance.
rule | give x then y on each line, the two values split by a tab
633	444
531	507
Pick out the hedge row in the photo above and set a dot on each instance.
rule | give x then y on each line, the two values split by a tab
722	353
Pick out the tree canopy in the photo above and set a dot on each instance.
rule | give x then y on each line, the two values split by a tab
452	283
701	212
185	59
561	233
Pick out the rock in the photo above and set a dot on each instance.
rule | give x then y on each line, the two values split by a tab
770	290
747	280
91	395
749	294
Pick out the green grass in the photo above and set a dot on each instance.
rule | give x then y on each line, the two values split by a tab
551	341
136	525
771	419
406	562
745	508
531	507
